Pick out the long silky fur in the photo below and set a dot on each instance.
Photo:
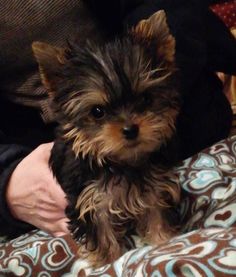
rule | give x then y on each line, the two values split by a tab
107	204
115	190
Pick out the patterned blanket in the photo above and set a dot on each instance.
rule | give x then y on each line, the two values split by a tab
206	247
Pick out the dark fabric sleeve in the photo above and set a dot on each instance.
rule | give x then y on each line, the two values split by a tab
10	156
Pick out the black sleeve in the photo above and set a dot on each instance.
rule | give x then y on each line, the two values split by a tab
10	156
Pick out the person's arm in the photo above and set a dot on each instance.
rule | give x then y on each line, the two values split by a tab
10	156
30	196
26	181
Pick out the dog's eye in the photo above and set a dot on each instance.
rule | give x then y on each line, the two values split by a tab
98	112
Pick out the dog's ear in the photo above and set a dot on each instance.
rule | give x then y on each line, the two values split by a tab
50	60
155	31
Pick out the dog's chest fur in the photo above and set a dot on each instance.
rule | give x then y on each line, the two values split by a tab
113	202
116	105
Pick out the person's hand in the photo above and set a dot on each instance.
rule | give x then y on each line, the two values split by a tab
34	196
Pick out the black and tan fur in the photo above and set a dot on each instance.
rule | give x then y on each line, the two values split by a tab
116	105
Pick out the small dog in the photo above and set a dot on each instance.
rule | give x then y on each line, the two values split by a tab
116	105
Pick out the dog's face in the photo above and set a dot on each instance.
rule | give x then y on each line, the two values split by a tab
117	101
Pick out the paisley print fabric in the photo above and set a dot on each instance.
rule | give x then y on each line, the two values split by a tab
205	247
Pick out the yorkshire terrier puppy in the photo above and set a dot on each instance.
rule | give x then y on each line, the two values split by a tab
116	105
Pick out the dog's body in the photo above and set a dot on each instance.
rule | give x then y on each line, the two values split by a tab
109	203
117	106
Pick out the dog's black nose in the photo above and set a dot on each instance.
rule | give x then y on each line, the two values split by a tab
130	131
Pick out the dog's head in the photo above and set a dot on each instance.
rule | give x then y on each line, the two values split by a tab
116	101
